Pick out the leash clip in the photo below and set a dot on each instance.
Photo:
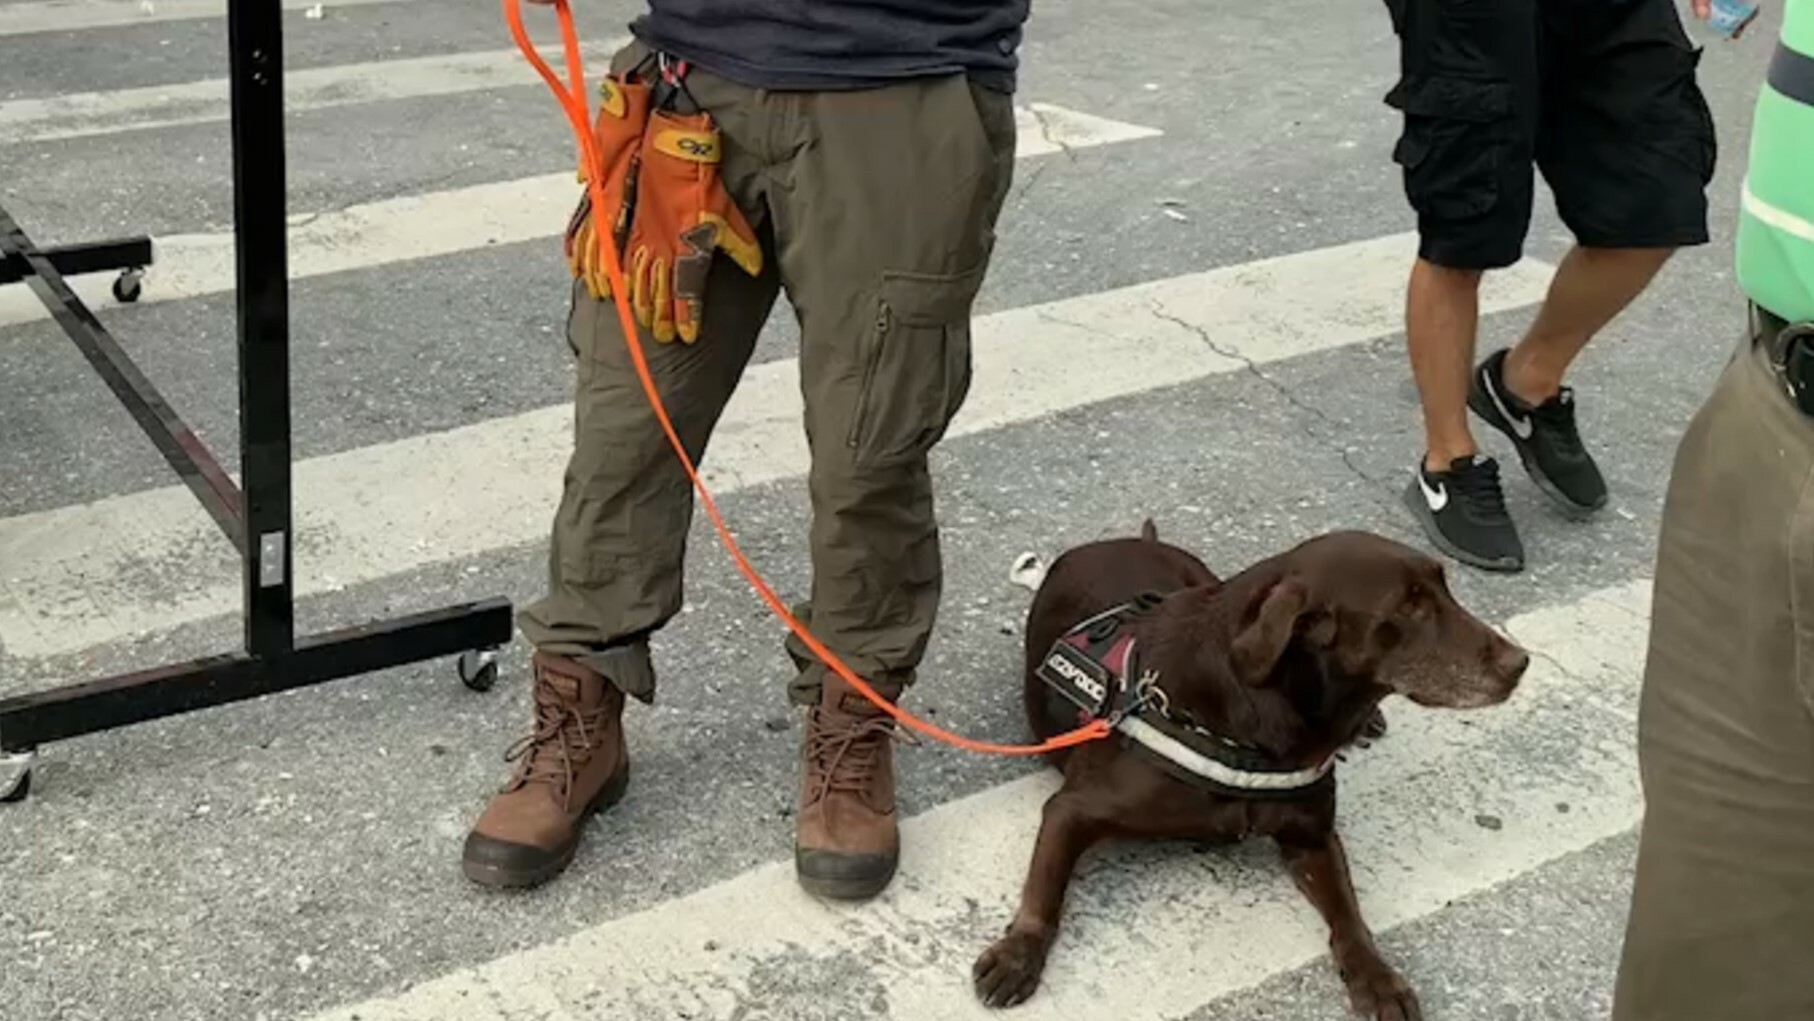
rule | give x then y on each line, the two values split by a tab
1146	692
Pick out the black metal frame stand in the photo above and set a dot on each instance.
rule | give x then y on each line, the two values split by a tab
256	518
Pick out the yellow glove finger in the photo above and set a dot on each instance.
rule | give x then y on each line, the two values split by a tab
599	276
663	327
596	279
579	259
642	296
686	320
575	249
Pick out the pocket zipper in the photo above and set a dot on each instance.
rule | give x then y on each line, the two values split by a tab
884	322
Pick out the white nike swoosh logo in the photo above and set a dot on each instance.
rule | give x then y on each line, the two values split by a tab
1521	426
1437	498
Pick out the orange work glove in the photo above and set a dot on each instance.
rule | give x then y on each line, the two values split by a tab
623	115
683	216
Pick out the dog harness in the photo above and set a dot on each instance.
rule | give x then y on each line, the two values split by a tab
1093	672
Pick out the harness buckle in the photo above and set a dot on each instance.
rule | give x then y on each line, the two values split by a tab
1794	359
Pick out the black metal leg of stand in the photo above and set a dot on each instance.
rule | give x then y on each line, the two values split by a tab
173	438
256	518
255	34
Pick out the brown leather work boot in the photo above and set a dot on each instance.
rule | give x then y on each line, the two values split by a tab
575	763
846	843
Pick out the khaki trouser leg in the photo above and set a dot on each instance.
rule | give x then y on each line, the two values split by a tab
885	206
1722	917
619	536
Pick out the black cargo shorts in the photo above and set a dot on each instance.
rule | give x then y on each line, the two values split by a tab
1599	94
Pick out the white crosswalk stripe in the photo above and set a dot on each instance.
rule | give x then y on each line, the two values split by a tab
38	16
84	114
77	576
1449	806
457	220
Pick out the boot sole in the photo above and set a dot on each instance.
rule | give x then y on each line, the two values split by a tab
502	878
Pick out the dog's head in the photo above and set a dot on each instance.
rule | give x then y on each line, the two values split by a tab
1374	609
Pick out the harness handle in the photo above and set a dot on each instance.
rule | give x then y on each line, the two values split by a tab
579	115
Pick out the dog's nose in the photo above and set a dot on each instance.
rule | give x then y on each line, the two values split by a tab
1511	662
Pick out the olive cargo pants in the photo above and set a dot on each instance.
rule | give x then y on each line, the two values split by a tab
1722	914
876	211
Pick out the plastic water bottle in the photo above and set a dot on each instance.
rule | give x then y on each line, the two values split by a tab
1730	17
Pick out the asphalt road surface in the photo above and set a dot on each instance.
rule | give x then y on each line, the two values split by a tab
1205	219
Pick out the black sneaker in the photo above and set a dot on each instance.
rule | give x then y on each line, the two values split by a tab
1462	510
1545	436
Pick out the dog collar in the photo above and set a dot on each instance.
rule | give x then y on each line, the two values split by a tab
1093	672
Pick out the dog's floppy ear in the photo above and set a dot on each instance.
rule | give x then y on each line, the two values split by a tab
1256	650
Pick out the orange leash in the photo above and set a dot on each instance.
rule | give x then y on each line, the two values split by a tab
579	114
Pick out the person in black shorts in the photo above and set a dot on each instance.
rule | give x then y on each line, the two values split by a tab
1601	96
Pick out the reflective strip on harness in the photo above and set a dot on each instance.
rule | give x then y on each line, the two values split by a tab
1197	764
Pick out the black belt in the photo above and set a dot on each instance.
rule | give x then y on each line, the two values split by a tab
1792	74
1791	350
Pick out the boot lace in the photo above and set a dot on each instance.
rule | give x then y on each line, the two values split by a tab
1478	487
844	753
561	741
1557	421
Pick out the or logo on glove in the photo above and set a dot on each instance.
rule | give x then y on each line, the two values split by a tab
671	213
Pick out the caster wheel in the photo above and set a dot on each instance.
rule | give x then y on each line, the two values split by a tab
15	777
126	287
479	669
20	790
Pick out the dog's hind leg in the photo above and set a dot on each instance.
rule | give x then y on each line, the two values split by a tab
1007	973
1319	866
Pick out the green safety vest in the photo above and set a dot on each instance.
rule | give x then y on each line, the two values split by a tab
1775	246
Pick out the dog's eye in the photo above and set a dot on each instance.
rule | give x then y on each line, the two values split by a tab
1388	635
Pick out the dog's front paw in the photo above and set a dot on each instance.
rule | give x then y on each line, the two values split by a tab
1008	972
1380	994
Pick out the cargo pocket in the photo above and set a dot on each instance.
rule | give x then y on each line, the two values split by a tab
1680	122
916	365
1457	135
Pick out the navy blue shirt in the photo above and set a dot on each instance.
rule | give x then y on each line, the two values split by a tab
840	44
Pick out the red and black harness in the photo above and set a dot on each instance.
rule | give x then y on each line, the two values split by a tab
1093	672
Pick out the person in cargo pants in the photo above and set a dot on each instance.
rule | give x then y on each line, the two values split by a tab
857	156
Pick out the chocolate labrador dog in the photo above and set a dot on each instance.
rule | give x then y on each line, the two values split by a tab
1231	700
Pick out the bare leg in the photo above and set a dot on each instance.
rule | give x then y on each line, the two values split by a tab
1442	311
1007	973
1321	871
1591	286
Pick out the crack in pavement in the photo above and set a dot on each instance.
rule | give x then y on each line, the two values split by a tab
1045	132
1253	369
1039	171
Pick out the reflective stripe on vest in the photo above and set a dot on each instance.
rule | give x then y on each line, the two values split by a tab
1775	248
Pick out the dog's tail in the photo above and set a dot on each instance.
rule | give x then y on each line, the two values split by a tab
1149	531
